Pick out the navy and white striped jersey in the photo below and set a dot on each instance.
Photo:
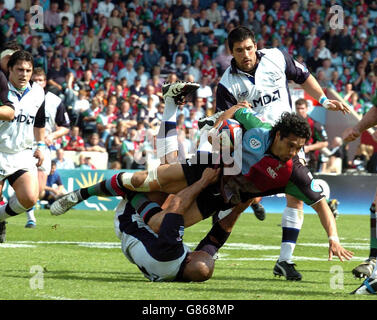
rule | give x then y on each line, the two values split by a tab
160	257
18	134
56	113
267	91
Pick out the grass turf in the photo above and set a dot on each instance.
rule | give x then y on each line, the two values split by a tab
77	256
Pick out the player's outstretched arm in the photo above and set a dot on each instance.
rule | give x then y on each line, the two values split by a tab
329	224
312	87
369	120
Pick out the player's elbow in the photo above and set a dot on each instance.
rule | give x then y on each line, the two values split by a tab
7	113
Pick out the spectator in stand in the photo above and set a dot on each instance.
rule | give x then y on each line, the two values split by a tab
91	44
18	13
209	70
331	160
54	187
186	20
136	88
73	141
67	13
94	143
106	122
178	67
62	162
184	53
114	140
150	57
229	13
127	150
105	8
194	37
169	47
88	118
56	76
51	17
77	70
202	22
214	15
314	62
128	72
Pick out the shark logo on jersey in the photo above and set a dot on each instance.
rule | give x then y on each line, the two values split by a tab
255	143
243	95
266	99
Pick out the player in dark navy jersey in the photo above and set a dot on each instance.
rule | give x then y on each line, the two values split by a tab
152	237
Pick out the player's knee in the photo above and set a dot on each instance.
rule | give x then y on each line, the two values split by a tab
29	200
138	178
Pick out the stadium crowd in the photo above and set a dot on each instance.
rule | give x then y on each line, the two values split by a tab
109	59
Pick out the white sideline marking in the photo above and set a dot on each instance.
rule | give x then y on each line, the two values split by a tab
46	296
15	245
227	246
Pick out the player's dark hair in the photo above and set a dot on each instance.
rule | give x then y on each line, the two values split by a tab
20	55
239	34
13	45
39	72
290	123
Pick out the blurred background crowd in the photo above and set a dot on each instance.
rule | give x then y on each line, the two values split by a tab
109	59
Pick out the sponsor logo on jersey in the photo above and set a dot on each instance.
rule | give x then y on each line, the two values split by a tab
255	143
21	118
315	186
243	95
266	99
272	173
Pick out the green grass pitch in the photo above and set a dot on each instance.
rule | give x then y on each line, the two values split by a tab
77	256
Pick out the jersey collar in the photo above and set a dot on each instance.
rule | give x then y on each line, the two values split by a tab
17	93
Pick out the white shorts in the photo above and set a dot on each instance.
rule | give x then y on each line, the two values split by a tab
12	162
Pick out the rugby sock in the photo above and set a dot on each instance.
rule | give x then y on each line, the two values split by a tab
144	207
167	141
214	240
11	209
373	232
30	215
291	223
111	187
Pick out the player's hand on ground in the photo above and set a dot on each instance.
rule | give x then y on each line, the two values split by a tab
210	176
39	155
335	105
336	249
350	134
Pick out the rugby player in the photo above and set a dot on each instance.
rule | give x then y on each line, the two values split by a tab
18	164
57	125
155	245
368	268
260	78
